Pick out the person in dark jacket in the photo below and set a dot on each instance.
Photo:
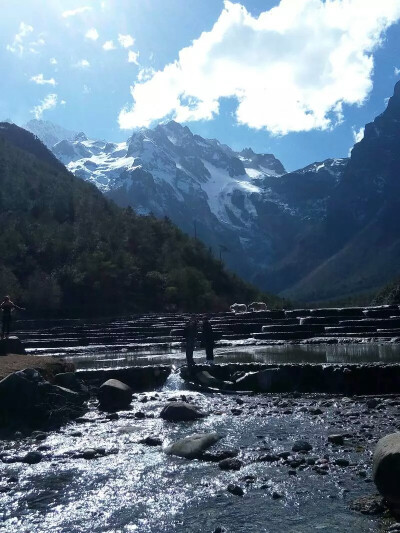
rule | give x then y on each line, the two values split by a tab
7	307
190	334
208	339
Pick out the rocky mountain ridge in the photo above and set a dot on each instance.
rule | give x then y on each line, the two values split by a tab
328	231
241	204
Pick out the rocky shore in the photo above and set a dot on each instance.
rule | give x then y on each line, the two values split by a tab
231	447
289	453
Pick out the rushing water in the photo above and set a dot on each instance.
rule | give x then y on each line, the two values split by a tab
140	489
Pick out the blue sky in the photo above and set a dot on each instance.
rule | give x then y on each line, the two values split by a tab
298	81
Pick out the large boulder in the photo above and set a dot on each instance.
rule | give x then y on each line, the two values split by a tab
386	468
180	412
114	395
193	446
25	396
11	345
69	380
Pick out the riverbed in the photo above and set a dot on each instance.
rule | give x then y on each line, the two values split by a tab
128	486
138	488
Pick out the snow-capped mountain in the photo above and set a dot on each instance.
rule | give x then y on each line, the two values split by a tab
242	202
47	132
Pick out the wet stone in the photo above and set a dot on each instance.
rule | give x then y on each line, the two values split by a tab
32	458
302	446
230	464
219	455
342	462
235	489
369	505
336	439
151	441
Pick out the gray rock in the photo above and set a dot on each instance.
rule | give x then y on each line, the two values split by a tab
193	446
302	446
32	458
336	439
26	396
230	464
69	380
220	455
369	505
151	441
235	489
114	395
180	412
342	462
386	468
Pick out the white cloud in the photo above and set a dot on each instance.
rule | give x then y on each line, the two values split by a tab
49	102
53	61
109	45
396	71
18	44
358	135
83	63
290	69
40	80
63	102
77	11
92	34
86	89
133	57
126	40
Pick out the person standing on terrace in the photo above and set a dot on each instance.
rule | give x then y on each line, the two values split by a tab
7	307
208	339
190	334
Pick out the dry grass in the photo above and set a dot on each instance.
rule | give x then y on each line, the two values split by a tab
47	366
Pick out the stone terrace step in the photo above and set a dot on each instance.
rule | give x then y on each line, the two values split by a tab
376	322
287	335
350	329
294	328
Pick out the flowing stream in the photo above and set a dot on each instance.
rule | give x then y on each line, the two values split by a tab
133	487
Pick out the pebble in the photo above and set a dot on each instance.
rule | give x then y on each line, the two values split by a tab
302	446
342	462
230	464
336	439
151	441
235	489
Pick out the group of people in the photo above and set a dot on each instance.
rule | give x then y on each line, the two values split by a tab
207	339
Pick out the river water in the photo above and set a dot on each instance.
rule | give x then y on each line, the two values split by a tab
132	487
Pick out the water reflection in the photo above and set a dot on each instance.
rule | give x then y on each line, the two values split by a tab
294	354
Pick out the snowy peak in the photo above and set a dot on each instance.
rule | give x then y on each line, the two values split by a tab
49	133
259	165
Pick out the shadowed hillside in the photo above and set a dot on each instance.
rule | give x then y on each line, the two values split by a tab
66	249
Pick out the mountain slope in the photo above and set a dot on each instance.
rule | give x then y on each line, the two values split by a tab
359	241
242	203
66	249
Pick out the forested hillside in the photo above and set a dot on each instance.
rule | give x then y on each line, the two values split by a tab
65	249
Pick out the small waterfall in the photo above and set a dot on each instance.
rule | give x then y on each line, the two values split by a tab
174	382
